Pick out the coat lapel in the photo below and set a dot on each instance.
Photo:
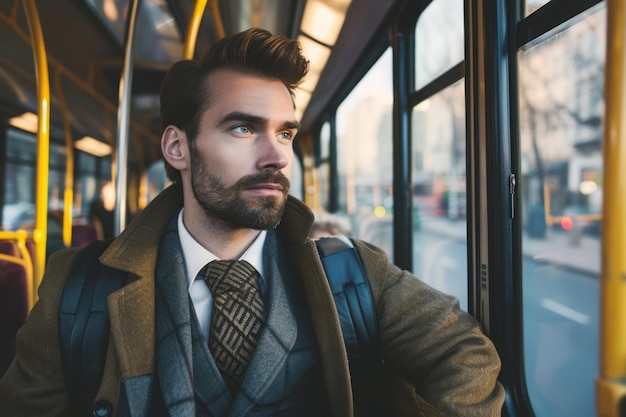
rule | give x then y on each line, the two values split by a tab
278	336
134	344
132	307
173	330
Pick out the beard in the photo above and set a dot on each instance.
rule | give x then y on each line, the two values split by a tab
230	206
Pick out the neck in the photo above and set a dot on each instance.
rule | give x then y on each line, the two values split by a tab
214	235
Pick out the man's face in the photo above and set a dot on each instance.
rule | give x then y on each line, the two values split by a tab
241	159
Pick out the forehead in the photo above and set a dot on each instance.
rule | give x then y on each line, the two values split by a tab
230	90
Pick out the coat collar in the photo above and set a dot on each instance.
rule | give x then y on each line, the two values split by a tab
136	248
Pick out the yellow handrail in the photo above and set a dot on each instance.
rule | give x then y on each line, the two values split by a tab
43	141
58	67
192	29
25	261
194	25
610	384
68	195
217	18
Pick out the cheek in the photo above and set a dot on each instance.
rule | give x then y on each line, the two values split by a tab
220	158
230	164
289	168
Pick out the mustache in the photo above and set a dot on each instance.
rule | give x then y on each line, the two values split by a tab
275	177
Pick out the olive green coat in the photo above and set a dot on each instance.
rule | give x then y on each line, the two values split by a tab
425	336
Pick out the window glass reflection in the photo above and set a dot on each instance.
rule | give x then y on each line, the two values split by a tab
532	5
439	41
365	155
561	108
323	167
439	192
157	180
19	179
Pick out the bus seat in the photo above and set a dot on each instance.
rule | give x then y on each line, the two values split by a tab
83	234
8	247
13	304
32	250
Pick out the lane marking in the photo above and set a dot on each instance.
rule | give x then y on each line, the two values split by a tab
565	311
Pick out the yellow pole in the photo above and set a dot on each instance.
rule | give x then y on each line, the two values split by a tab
68	196
217	18
610	384
192	29
43	140
194	25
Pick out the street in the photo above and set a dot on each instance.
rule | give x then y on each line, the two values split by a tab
561	322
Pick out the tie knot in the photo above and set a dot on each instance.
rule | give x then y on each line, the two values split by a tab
230	276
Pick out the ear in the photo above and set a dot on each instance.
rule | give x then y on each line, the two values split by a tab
174	147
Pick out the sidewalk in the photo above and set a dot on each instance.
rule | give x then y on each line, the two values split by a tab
557	248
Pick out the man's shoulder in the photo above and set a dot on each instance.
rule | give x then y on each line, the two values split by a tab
370	252
63	257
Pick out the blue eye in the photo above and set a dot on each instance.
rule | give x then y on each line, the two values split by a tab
286	135
243	129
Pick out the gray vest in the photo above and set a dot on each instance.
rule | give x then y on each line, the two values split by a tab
284	377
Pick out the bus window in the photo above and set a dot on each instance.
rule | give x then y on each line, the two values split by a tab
19	179
439	41
532	5
323	168
157	179
296	188
438	142
92	172
365	155
439	196
561	109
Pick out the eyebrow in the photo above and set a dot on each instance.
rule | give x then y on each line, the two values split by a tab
255	120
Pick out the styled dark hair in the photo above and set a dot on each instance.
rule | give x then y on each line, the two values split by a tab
184	91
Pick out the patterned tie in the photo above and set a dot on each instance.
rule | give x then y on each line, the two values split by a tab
237	317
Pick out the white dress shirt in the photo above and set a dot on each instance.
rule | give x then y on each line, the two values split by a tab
196	257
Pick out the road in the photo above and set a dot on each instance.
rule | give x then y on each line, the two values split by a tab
561	322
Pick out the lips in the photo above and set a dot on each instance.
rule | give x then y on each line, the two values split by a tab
268	186
267	190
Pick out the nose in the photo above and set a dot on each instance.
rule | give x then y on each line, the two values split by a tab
273	154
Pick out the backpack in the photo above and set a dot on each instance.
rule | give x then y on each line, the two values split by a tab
84	322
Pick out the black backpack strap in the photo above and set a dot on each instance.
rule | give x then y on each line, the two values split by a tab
359	325
352	294
84	324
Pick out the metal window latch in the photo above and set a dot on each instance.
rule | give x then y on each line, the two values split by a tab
512	184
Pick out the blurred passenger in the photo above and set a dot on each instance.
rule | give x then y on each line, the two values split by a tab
326	224
102	209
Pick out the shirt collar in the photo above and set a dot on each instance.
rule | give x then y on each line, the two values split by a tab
196	256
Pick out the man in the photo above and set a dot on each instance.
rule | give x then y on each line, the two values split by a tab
229	125
101	211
